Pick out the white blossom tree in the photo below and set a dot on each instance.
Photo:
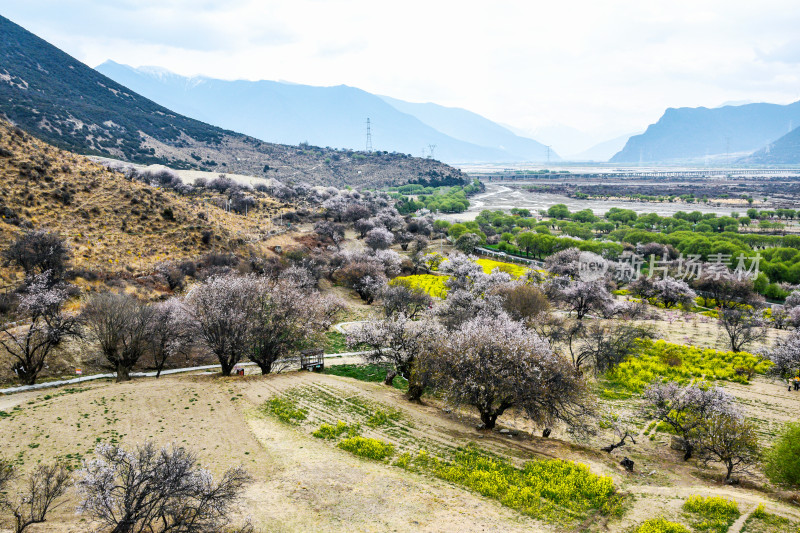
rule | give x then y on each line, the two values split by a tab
169	335
673	293
685	409
31	345
494	364
785	356
379	238
221	311
580	297
398	343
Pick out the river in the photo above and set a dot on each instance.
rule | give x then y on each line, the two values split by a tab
500	196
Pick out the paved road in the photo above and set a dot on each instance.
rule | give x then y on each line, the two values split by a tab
330	359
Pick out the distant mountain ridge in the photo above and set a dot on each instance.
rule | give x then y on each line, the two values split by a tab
784	151
329	116
693	133
59	99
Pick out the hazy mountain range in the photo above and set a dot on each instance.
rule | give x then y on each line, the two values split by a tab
330	116
688	134
59	99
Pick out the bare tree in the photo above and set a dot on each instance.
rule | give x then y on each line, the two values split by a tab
402	297
731	439
42	488
37	252
287	319
523	301
151	490
120	325
168	334
685	409
726	289
606	346
330	230
221	311
398	342
623	431
493	363
742	326
31	345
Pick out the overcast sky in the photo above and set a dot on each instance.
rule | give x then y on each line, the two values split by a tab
601	66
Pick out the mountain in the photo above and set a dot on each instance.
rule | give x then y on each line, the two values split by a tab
784	151
64	102
693	133
324	116
473	128
602	151
114	224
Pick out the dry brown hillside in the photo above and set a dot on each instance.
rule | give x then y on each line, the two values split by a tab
111	223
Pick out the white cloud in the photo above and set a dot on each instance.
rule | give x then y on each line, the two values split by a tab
597	66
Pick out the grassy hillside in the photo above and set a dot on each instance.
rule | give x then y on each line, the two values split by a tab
59	99
113	225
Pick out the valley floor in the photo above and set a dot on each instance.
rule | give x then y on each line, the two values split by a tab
302	483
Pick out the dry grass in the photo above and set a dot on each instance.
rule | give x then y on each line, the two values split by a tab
114	225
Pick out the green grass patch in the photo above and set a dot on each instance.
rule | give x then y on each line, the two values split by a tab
659	525
368	448
372	373
760	521
285	409
713	514
335	342
330	432
383	418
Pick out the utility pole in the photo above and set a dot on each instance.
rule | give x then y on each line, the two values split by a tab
369	136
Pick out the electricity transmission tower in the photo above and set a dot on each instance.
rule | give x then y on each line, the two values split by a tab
548	155
369	136
432	147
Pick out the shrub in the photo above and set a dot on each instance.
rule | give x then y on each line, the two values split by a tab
367	447
782	465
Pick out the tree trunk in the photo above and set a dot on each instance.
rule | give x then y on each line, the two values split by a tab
415	391
730	471
123	373
489	419
390	375
688	450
